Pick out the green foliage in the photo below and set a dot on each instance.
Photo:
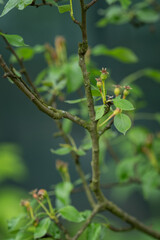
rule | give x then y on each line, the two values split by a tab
10	155
71	214
136	155
122	122
14	40
119	53
123	104
64	8
42	228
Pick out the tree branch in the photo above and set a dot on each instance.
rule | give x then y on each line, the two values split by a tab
115	229
78	166
95	185
130	219
50	111
88	221
23	69
90	4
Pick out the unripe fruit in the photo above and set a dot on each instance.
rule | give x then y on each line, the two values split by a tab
117	91
125	92
99	84
103	76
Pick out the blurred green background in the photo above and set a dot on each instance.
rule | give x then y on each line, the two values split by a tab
26	135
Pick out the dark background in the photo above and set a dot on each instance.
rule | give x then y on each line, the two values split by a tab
20	120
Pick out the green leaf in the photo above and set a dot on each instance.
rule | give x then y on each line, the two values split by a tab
125	169
76	100
153	73
25	53
61	151
42	228
94	231
80	152
62	192
122	122
10	155
120	53
123	104
71	214
99	111
64	8
73	74
21	4
125	3
138	135
17	223
147	15
14	40
67	125
9	6
24	235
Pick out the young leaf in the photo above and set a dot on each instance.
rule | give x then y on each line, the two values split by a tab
21	4
9	6
99	111
94	231
62	192
122	122
71	214
14	40
42	228
120	53
152	73
61	151
125	3
64	8
123	104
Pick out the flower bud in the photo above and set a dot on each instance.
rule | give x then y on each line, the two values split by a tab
25	203
42	193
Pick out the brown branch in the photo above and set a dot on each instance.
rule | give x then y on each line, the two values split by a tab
115	229
130	219
23	69
88	221
90	4
50	111
107	127
95	185
78	166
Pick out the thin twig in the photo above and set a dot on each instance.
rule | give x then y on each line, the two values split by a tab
88	221
23	69
130	219
95	185
115	229
90	4
50	111
78	166
107	127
